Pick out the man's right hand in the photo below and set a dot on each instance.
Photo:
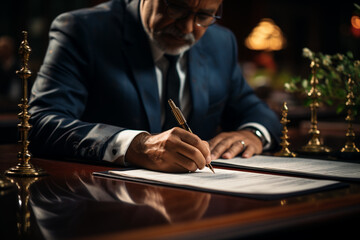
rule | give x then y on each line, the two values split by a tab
175	150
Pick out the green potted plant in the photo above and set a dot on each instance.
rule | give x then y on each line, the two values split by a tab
333	74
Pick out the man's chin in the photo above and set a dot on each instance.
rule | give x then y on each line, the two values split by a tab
176	51
173	49
173	46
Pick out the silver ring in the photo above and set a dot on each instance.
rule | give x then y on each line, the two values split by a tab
243	144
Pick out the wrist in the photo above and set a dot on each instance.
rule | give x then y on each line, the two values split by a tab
258	134
135	152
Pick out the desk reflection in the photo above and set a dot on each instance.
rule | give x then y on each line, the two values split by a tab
86	205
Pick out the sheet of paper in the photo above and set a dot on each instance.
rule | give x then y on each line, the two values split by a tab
336	170
230	181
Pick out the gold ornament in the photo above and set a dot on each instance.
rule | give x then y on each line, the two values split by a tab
285	152
24	168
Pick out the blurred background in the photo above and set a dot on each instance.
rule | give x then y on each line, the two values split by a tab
270	35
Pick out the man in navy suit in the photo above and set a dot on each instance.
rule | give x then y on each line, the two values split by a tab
101	92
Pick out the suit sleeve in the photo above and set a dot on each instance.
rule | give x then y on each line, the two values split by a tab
59	97
243	106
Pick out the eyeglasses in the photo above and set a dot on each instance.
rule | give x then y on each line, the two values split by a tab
177	12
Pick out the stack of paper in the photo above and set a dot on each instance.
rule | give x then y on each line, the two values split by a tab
315	168
234	182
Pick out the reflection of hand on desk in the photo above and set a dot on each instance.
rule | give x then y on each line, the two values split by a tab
55	203
167	201
163	200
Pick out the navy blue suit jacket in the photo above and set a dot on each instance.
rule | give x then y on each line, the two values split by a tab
98	78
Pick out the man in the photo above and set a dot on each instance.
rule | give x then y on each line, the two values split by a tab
101	93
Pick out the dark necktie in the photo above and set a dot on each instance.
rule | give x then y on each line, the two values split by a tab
171	91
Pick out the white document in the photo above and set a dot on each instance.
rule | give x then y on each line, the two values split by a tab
229	181
299	166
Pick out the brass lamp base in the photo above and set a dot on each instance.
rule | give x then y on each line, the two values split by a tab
25	170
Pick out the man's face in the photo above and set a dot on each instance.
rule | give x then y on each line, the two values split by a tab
176	35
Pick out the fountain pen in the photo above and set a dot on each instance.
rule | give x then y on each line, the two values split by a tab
182	122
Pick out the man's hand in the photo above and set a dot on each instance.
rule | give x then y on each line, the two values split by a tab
229	144
175	150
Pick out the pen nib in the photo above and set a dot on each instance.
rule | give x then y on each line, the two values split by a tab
211	168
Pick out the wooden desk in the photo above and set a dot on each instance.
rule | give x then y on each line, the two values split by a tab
72	203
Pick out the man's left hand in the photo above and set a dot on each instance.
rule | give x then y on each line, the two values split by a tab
229	144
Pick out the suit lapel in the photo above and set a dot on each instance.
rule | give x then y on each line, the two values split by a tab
140	59
197	68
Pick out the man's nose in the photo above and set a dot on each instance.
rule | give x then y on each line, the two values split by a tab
186	25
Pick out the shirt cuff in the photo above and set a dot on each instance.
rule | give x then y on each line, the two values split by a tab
118	146
262	129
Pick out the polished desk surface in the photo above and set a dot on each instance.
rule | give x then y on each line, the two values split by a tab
71	203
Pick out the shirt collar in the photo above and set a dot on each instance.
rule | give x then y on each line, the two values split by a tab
156	51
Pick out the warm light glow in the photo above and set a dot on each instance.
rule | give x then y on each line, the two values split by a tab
266	36
355	22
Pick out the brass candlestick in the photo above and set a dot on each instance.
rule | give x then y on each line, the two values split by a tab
285	152
350	135
314	145
24	168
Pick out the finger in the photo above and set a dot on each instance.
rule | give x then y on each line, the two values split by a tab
184	148
194	154
236	148
208	152
175	162
195	141
188	164
195	149
215	141
249	151
220	148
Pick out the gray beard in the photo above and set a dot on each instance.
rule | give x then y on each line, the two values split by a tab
155	37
